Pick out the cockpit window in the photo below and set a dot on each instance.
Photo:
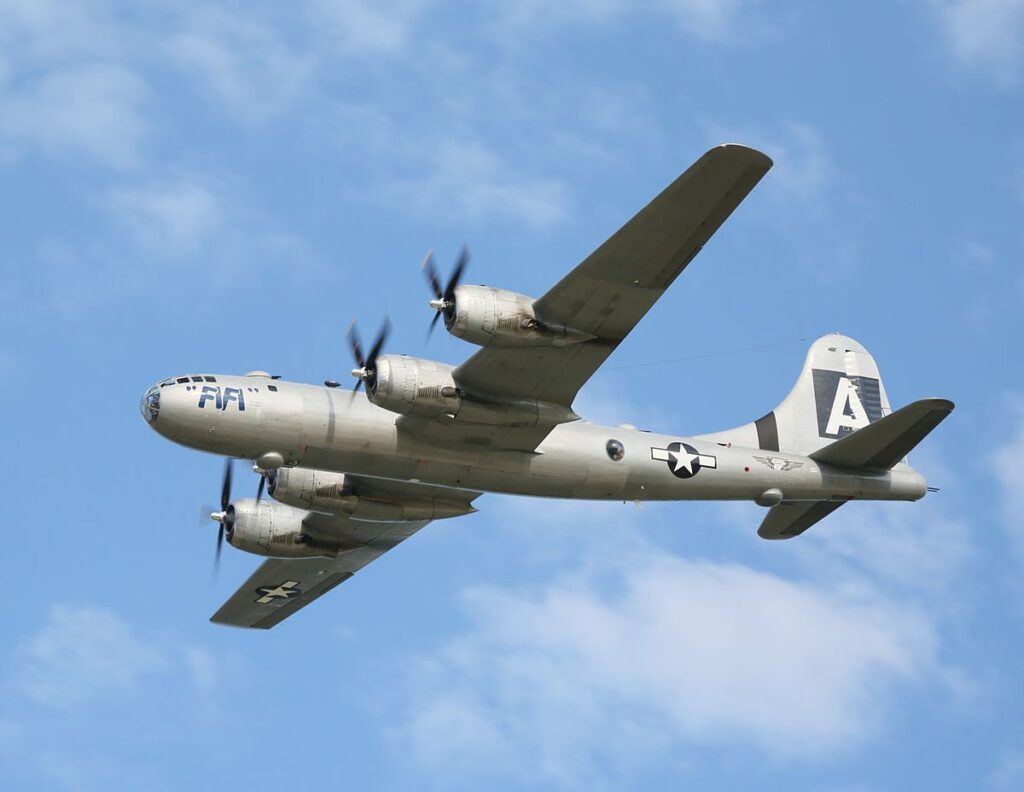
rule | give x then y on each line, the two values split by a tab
182	379
197	379
151	404
208	378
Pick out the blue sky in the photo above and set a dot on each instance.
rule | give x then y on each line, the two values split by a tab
223	186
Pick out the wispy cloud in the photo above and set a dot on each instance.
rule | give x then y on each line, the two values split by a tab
83	653
653	651
1006	467
467	179
915	546
94	110
803	168
171	219
240	61
709	20
985	35
361	27
87	694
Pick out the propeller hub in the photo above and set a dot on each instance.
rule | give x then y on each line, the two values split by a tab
220	516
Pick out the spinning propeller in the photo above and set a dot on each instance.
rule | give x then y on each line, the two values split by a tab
444	299
226	515
367	371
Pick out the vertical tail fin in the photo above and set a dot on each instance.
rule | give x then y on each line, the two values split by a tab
839	391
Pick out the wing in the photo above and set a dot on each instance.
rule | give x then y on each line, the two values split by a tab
282	586
617	284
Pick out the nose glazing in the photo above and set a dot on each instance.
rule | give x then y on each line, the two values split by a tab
150	405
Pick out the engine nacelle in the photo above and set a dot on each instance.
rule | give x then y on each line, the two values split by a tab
495	317
413	386
326	491
273	529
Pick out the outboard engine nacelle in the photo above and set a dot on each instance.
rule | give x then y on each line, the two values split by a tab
272	529
487	316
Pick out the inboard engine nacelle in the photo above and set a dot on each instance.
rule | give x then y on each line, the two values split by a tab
323	490
487	316
413	386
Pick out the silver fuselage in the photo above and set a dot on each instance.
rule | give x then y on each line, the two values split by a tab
330	429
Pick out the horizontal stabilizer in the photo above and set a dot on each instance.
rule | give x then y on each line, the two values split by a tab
885	442
792	518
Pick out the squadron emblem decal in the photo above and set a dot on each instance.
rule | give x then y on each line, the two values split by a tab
285	590
778	463
683	460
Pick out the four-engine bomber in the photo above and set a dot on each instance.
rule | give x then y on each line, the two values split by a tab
352	476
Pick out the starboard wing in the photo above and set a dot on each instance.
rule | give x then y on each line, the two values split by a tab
616	285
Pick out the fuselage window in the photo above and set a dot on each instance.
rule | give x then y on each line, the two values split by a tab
272	387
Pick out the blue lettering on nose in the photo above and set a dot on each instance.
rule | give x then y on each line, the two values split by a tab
233	395
210	392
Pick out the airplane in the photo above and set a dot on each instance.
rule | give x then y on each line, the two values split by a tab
352	475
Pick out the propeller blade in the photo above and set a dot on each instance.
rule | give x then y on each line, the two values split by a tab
460	266
385	331
216	557
428	268
225	490
357	349
433	323
259	490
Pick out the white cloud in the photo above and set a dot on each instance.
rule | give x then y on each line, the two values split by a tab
707	19
466	179
1007	469
710	20
649	652
985	34
88	696
919	546
95	110
50	33
1009	770
360	27
242	61
802	167
173	219
83	653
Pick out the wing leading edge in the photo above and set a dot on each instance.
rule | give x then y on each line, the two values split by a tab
616	285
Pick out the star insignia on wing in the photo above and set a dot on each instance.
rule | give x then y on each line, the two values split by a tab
286	590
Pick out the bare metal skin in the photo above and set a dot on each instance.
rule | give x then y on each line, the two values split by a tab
353	474
323	428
